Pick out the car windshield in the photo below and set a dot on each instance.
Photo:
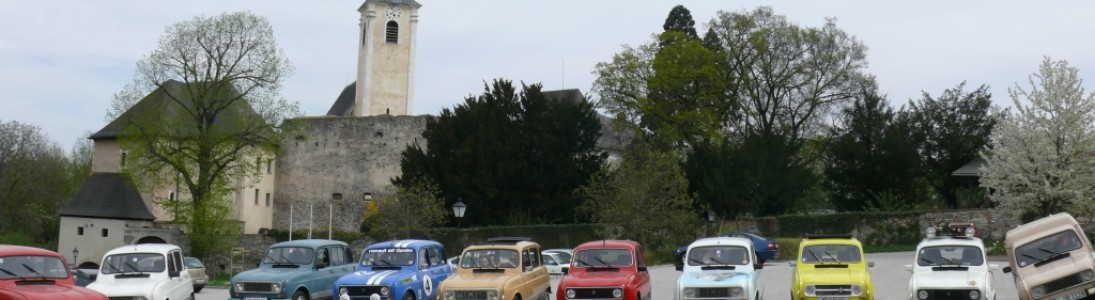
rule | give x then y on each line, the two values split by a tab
831	253
718	256
950	256
32	266
193	263
613	258
381	257
1045	247
133	262
563	257
288	256
489	258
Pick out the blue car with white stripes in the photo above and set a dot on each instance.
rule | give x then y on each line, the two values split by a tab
400	269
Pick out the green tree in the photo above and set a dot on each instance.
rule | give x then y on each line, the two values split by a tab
203	107
950	130
644	198
872	156
35	180
686	102
1039	161
408	211
514	157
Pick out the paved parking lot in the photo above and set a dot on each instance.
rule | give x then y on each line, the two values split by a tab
889	276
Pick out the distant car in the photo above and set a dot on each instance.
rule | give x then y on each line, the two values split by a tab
148	271
607	269
766	248
197	272
34	273
298	269
401	269
557	263
567	254
85	276
501	268
454	262
721	268
950	266
831	267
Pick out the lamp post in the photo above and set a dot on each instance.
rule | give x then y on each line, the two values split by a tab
710	221
75	254
458	211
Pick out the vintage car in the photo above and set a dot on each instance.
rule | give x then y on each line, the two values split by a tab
403	269
1050	258
950	266
766	248
298	270
720	268
148	271
831	267
196	268
607	269
557	263
501	268
34	273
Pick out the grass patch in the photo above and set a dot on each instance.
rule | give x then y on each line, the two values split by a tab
219	280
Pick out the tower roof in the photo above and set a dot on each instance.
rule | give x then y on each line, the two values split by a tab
108	196
413	3
344	104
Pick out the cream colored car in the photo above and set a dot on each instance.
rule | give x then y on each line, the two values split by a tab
502	268
1051	258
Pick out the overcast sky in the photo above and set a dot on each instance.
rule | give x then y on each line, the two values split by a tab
62	61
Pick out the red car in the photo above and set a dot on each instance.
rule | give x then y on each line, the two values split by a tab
606	269
34	273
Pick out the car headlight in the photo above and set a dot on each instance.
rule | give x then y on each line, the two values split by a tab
239	287
1038	292
277	287
342	290
857	290
140	298
492	294
449	295
735	292
974	294
618	293
1087	275
809	290
571	293
689	292
922	294
384	291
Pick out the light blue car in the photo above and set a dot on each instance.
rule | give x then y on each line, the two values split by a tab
298	270
721	268
403	269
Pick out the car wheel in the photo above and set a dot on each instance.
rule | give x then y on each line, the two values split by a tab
300	295
408	296
198	289
760	259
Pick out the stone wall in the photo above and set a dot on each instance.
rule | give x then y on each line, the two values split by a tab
351	156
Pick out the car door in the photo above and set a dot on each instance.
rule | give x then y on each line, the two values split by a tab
178	280
326	272
644	276
534	273
438	271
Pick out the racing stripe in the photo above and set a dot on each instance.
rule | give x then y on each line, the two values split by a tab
377	277
381	277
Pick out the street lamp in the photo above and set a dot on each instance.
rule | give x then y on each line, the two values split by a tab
75	254
710	221
458	211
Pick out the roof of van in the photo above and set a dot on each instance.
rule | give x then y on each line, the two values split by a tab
1040	228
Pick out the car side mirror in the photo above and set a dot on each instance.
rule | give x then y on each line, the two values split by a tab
870	264
1007	269
680	268
642	269
994	267
908	268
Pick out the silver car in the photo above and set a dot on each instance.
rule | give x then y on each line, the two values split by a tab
197	272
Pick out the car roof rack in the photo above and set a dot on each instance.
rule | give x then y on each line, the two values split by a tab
508	240
828	236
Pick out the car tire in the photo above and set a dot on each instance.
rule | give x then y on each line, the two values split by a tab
761	260
300	295
408	296
198	289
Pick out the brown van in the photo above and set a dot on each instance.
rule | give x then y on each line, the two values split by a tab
1051	258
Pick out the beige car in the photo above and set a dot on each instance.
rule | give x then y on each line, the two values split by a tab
502	268
1051	258
197	272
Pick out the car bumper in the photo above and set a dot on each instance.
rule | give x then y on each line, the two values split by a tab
769	254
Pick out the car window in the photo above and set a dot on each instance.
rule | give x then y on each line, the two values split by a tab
134	262
435	257
32	265
490	258
337	256
950	255
388	257
193	263
1047	246
173	265
831	253
603	258
288	255
718	256
549	260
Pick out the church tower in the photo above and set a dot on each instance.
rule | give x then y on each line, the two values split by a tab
385	57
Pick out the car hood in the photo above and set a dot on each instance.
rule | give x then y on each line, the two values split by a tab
48	291
833	275
265	274
950	279
388	277
465	280
597	278
123	287
716	278
1062	267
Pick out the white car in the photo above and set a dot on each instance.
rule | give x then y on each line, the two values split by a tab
558	263
722	268
951	267
144	271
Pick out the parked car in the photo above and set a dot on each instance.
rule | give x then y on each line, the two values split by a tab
831	266
454	262
949	266
501	268
1050	258
558	263
567	253
35	273
607	269
149	271
722	268
197	272
766	248
84	276
403	269
300	269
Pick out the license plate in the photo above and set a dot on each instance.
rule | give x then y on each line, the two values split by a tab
1077	295
833	298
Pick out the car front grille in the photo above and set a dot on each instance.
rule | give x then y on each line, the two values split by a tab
949	294
470	295
1063	283
593	293
363	291
259	287
833	290
712	292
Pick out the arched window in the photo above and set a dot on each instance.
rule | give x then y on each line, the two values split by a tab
392	36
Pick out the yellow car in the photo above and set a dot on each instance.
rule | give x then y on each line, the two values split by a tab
831	267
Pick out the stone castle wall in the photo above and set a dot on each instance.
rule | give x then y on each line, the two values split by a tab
351	156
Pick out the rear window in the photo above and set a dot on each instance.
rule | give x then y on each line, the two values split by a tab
193	263
1031	253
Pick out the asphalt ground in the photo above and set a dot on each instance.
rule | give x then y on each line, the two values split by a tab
888	275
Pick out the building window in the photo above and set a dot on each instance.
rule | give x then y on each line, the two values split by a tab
258	164
104	232
365	35
79	230
267	199
171	197
124	154
256	196
392	33
269	165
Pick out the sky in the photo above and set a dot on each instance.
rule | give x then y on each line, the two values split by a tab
61	62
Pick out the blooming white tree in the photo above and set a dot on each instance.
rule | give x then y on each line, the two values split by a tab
1042	156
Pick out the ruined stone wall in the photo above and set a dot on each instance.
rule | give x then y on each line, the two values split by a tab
351	156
